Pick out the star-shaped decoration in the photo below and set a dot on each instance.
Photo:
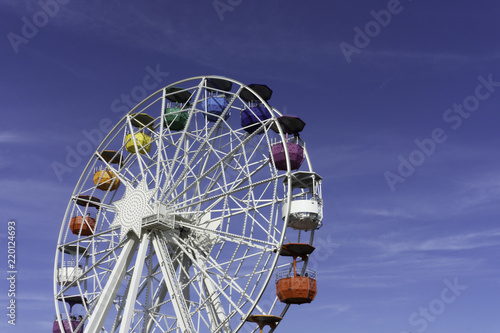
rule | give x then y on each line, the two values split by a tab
132	207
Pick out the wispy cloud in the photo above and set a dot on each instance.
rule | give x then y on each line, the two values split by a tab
464	241
201	39
13	137
395	258
21	198
386	212
394	57
419	56
331	309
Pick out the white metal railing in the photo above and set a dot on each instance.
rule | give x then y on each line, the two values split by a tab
68	272
63	316
68	264
288	272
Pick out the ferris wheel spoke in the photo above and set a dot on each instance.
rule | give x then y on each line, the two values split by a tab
184	278
182	141
219	168
174	288
109	166
209	268
217	315
202	176
157	300
214	180
229	192
231	237
237	184
244	296
201	267
109	292
212	229
159	158
137	149
218	153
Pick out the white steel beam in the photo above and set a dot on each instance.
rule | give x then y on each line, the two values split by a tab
134	284
179	303
215	309
158	299
108	294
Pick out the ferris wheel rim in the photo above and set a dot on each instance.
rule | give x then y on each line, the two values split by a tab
124	119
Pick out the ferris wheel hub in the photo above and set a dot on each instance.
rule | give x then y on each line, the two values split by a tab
132	208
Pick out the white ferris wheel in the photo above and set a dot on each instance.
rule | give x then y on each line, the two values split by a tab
187	216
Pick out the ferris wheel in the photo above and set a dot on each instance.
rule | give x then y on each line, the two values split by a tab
186	217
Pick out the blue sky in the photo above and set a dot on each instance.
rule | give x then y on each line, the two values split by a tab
386	252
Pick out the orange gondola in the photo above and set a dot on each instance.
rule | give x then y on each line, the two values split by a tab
292	287
82	226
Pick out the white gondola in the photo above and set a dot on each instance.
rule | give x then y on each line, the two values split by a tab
306	207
